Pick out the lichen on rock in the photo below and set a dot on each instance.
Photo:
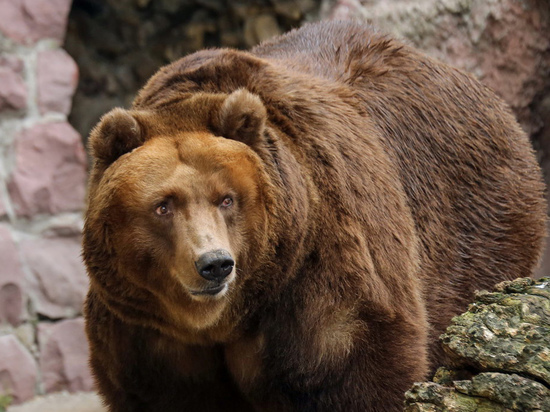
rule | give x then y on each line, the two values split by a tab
499	351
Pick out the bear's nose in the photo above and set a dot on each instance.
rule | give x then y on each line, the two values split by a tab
215	265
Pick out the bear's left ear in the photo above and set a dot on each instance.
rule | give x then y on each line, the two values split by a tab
241	117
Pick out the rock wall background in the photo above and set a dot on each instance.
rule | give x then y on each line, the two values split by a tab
42	187
63	64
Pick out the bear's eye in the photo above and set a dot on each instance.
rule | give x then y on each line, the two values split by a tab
226	202
163	209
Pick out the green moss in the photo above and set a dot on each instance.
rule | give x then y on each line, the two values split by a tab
500	355
5	401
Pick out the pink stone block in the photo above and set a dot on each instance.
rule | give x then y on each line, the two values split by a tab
18	371
59	282
26	21
64	356
12	62
57	80
13	92
50	170
11	280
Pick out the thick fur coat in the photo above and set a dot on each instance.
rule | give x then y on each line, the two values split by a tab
364	192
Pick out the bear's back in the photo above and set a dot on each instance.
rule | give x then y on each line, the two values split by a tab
469	172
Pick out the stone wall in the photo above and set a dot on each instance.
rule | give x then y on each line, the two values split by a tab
42	186
117	46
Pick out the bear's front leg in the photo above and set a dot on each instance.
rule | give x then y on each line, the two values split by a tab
340	363
137	370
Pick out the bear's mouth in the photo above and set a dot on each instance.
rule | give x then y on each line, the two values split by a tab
211	291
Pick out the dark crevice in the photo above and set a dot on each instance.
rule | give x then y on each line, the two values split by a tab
118	45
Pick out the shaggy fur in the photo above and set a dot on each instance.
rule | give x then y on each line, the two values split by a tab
373	191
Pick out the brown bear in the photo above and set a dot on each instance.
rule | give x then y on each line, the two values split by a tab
291	228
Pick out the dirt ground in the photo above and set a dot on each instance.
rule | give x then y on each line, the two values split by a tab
62	402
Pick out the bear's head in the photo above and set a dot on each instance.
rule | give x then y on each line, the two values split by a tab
178	203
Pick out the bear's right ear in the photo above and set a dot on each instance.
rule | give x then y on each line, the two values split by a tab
117	133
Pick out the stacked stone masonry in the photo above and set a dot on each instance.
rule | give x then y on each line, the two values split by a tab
42	186
117	46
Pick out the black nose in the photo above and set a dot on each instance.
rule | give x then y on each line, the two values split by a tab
215	265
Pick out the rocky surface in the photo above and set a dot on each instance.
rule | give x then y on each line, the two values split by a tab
63	345
58	283
26	21
50	170
18	370
13	91
57	79
500	354
11	281
42	188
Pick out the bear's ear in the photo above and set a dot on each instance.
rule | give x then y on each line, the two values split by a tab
117	133
242	117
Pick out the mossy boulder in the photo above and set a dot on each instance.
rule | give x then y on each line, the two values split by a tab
500	354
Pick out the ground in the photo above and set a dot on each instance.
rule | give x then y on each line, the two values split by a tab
62	402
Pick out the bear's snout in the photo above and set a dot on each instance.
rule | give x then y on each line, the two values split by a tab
215	265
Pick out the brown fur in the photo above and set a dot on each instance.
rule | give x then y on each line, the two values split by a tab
375	189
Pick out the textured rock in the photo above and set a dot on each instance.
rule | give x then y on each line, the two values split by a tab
18	372
64	356
512	391
57	79
432	397
11	280
63	402
514	55
500	353
13	92
12	62
489	391
27	21
50	170
59	282
507	330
